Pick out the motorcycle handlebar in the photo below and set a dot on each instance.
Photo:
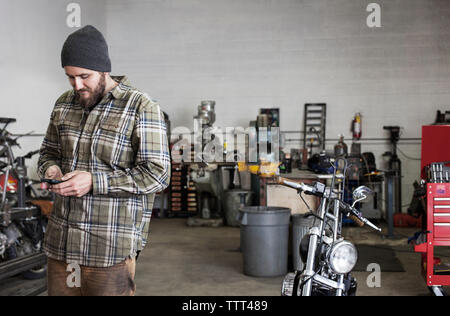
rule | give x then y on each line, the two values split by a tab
356	220
296	185
357	216
318	191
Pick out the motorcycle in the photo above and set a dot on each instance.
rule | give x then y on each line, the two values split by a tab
328	258
22	225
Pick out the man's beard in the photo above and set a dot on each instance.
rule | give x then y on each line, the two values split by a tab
95	96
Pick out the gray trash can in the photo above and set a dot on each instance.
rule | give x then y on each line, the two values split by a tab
264	240
300	227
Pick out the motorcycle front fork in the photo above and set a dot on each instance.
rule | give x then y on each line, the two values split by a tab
309	272
315	233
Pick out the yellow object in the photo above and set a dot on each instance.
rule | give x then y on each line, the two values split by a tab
242	166
265	169
268	169
254	169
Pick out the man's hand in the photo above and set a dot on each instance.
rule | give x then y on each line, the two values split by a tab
76	183
53	172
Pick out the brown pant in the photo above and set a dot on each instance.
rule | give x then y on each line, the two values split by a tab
117	280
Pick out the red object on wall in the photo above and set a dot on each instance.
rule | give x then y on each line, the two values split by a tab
435	145
356	126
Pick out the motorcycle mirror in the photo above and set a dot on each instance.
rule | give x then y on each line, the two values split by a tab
362	193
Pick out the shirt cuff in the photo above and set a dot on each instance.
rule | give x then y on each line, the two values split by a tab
99	183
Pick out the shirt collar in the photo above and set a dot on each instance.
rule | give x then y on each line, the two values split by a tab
124	85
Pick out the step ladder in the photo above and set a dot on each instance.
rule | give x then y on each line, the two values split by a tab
314	127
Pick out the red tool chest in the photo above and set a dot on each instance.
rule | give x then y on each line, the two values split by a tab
435	148
438	231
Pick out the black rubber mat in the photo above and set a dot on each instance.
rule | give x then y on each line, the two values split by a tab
384	256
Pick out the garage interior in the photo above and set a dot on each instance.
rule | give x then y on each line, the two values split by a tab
266	89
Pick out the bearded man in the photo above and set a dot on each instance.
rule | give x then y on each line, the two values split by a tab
107	143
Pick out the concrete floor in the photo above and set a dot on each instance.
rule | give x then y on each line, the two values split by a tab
182	260
205	261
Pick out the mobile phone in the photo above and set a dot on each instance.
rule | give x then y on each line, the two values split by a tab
51	181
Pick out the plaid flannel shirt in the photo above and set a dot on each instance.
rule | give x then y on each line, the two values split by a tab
122	142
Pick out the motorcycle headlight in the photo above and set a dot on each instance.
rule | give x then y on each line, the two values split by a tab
342	257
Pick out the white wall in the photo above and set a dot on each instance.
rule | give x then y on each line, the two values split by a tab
248	54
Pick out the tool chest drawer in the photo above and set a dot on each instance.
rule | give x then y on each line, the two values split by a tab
441	217
442	230
441	211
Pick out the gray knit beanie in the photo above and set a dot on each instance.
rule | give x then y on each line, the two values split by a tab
86	48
